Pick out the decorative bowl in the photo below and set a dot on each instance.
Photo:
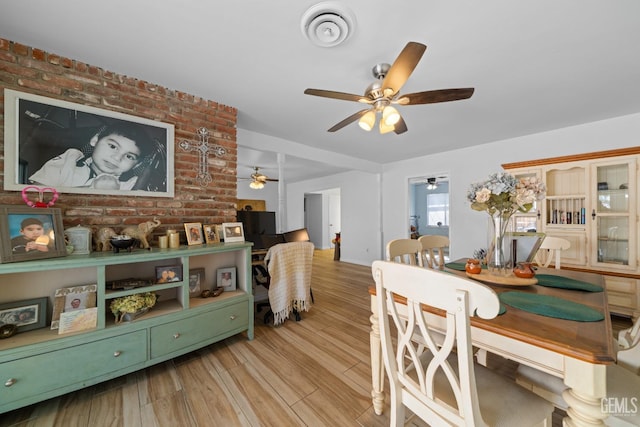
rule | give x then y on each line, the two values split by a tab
122	242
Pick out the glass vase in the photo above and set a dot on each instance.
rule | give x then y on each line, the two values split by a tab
499	260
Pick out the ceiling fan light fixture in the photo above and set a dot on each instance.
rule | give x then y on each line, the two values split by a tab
385	128
431	184
368	120
256	185
390	116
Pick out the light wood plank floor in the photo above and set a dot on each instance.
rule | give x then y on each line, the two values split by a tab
315	372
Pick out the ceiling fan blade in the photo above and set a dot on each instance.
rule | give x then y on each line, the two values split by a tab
400	127
403	66
352	118
434	96
338	95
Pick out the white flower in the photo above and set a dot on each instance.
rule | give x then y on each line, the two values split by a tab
503	193
483	195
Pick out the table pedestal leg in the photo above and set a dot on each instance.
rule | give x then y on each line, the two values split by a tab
586	387
377	368
583	411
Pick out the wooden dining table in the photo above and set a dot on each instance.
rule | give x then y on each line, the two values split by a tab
578	352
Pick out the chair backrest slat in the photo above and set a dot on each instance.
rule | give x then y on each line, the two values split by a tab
433	250
550	250
405	251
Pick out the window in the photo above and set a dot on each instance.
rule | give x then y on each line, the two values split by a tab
437	209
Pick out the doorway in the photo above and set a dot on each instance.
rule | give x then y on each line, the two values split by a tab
322	216
429	206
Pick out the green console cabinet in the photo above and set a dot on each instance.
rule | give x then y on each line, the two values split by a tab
39	364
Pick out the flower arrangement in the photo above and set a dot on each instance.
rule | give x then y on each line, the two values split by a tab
505	194
501	196
132	304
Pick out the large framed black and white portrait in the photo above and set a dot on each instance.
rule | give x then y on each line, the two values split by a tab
77	148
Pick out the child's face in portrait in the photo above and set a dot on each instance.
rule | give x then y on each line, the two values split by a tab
114	154
33	231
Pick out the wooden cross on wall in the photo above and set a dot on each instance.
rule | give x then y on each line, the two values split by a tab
203	178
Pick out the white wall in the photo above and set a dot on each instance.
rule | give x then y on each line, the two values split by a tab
360	212
468	227
375	207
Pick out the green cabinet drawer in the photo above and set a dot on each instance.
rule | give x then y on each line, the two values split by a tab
45	372
175	336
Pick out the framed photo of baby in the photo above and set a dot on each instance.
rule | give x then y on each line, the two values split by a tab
29	234
77	148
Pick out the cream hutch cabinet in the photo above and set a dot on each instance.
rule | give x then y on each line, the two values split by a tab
39	364
592	201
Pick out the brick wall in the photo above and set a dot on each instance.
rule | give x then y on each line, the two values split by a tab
28	69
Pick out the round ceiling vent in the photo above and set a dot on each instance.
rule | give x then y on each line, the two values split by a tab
327	24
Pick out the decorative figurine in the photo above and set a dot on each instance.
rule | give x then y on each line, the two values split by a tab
142	231
473	266
103	239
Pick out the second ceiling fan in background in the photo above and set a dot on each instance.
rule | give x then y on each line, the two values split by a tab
385	92
258	180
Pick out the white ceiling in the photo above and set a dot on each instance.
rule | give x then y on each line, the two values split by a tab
535	65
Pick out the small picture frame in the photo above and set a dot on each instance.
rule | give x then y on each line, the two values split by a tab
227	278
71	299
210	235
194	233
219	234
169	274
196	282
233	232
26	314
27	234
78	320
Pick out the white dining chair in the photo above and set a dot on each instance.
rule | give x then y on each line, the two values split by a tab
405	251
438	381
433	249
628	342
550	250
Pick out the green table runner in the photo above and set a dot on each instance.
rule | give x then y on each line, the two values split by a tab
458	266
552	281
546	305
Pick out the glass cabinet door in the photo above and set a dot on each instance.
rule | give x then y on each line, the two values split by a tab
529	221
613	213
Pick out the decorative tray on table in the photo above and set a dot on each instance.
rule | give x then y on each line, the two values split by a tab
487	277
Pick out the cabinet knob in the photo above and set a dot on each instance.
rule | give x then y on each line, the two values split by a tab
10	382
117	353
176	336
593	214
233	317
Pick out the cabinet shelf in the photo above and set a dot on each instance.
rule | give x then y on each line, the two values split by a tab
110	294
174	326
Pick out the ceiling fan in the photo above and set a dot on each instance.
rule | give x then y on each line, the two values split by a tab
385	92
258	180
